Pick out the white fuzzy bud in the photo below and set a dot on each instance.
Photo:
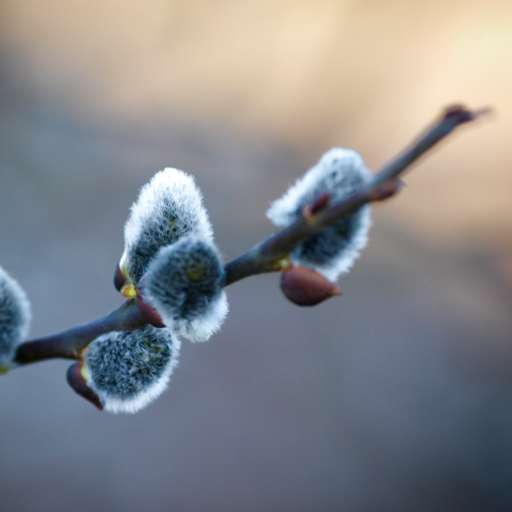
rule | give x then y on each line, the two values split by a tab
184	283
169	207
334	250
15	316
128	370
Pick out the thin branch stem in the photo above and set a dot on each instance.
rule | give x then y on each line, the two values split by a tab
270	255
69	344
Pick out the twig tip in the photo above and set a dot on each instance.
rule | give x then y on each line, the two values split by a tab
461	114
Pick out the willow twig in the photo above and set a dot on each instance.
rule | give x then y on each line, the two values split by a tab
270	255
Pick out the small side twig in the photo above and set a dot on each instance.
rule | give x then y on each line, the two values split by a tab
270	255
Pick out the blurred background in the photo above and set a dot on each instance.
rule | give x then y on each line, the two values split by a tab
397	396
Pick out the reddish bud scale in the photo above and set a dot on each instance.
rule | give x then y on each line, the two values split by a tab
77	382
306	287
387	190
320	203
150	314
310	211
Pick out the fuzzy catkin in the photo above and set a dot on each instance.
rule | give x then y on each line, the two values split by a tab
168	207
334	250
184	283
128	370
15	316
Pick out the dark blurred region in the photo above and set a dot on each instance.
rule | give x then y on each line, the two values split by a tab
395	396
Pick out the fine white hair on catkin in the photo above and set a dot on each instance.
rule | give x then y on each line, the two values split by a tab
15	317
184	283
334	250
168	207
129	370
209	323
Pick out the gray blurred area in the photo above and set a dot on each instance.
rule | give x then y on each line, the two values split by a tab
394	397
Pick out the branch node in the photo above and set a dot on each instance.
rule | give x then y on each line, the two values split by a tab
283	264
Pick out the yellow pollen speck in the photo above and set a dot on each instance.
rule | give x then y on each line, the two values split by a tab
129	291
283	263
3	369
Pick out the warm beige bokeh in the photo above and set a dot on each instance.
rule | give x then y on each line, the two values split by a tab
313	73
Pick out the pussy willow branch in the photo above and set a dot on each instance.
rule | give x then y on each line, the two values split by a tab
270	255
267	255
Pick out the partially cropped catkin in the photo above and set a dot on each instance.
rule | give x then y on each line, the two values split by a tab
15	318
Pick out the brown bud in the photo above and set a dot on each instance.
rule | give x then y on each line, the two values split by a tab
77	382
150	313
306	287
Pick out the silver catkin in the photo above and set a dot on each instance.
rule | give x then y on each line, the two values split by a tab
334	250
128	370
